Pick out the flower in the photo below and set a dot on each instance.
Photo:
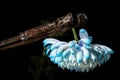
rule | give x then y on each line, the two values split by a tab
75	55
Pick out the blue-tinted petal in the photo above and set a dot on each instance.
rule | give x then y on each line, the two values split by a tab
47	51
61	49
66	52
83	33
79	56
77	46
57	45
53	53
72	43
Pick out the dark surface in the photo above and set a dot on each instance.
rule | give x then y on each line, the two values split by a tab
102	25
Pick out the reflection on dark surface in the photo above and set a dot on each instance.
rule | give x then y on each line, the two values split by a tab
15	63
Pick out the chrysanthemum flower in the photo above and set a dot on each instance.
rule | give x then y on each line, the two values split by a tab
77	55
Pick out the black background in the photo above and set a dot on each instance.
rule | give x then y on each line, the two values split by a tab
103	25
